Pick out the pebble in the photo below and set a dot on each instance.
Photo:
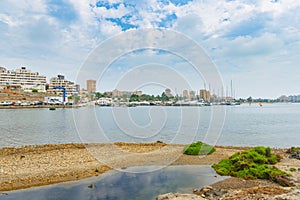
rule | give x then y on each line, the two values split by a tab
294	195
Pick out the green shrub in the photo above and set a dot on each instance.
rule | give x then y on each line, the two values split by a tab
293	150
250	164
292	169
198	148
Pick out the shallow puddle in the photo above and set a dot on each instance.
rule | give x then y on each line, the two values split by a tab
125	185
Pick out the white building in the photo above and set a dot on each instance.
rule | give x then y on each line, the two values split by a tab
60	80
23	78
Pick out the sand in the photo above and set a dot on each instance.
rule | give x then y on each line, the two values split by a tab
48	164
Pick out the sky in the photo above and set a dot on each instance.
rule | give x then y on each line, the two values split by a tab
254	43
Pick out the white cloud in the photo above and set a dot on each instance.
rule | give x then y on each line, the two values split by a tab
277	8
109	28
103	12
8	20
28	31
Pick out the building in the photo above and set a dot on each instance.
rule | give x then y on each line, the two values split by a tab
283	98
192	94
77	86
205	95
168	92
294	98
23	78
91	86
118	93
61	81
185	94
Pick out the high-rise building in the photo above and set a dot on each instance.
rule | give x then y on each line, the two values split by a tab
91	86
205	95
192	94
118	93
61	81
185	94
23	78
77	86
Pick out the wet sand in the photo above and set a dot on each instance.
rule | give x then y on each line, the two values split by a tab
47	164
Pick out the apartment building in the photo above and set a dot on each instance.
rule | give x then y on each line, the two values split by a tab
118	93
22	78
192	94
185	94
205	95
71	88
91	86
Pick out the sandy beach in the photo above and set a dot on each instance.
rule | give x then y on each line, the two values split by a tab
48	164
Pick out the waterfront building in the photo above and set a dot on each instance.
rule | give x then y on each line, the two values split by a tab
23	78
61	81
185	94
192	94
91	86
118	93
205	95
294	98
283	98
77	86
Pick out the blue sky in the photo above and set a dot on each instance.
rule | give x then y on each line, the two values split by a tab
255	43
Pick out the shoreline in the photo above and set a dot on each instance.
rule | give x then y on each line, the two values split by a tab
38	106
41	165
78	105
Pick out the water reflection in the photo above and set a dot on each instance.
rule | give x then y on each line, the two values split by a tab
121	185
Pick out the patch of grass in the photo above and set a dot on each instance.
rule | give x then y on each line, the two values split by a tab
250	164
292	169
198	148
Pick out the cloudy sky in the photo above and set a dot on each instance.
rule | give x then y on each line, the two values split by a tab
254	43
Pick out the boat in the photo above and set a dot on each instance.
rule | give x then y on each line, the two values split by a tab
52	108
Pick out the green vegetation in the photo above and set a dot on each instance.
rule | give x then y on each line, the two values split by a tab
251	164
249	99
134	97
292	169
145	97
34	90
96	170
293	150
198	148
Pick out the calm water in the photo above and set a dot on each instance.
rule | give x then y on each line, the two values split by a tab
121	185
276	125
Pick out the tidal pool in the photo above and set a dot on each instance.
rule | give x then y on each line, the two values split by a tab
117	184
